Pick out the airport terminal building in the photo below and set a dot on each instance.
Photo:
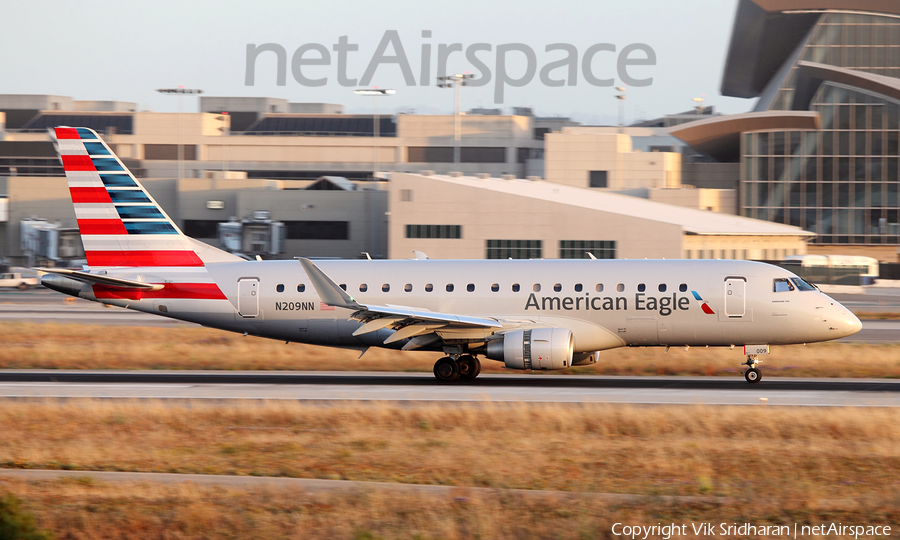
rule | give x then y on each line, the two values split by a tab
820	150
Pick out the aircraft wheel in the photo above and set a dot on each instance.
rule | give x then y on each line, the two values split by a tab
469	367
753	375
446	370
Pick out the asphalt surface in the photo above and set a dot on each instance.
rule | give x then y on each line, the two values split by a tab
223	387
314	486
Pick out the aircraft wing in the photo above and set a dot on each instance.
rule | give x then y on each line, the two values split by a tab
99	279
409	322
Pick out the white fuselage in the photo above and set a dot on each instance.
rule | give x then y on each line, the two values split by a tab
604	303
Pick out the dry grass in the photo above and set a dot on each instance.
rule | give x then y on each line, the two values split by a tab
789	454
84	509
59	346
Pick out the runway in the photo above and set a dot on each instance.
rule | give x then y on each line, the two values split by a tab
222	387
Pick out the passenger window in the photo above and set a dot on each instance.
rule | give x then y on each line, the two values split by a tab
578	287
470	287
641	287
598	287
682	287
557	287
495	287
408	287
429	287
343	286
301	288
363	287
620	287
662	287
385	288
536	287
279	287
515	287
783	285
449	287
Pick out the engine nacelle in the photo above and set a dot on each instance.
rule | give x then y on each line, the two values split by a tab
535	348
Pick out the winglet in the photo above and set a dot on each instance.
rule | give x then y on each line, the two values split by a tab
329	291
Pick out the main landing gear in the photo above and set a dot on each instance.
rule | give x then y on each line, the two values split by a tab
463	367
752	374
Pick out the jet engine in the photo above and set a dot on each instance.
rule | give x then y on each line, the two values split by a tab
535	348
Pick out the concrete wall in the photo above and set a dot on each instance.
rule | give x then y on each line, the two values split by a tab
571	155
711	175
488	215
748	247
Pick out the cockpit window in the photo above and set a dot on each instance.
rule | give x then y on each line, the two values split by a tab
802	285
783	285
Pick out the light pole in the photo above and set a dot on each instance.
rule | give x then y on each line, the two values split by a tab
699	103
375	93
180	92
455	82
621	97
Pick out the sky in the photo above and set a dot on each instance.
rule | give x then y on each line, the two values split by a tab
124	51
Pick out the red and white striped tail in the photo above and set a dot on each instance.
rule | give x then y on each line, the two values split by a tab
120	223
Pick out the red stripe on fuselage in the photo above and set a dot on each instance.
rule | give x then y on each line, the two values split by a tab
706	309
142	258
78	163
173	291
67	133
89	195
101	226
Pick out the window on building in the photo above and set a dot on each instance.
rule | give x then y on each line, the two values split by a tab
434	231
169	152
598	179
578	249
317	230
406	195
201	228
687	254
513	249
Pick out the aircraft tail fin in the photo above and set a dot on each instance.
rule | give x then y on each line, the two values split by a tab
119	221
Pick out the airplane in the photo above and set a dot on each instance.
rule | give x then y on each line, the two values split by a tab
529	314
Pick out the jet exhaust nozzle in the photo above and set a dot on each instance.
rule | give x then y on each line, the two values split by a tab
62	284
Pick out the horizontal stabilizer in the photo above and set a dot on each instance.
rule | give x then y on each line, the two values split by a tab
109	281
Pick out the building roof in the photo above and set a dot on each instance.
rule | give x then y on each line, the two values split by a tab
691	221
811	75
767	32
720	136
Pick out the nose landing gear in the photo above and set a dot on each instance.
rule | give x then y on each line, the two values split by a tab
451	368
752	373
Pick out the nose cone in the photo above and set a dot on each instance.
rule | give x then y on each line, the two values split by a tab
850	323
843	322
